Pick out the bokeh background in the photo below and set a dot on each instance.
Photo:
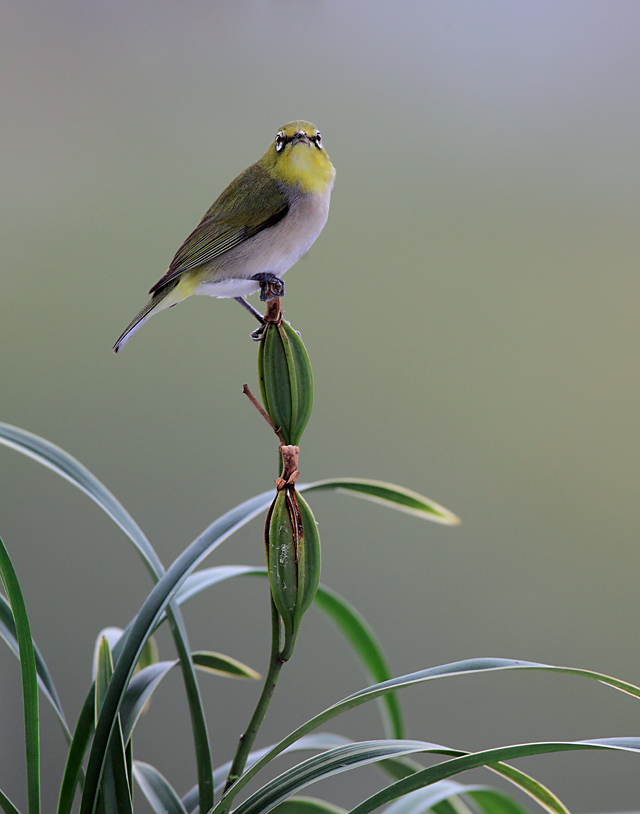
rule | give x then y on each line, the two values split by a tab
471	313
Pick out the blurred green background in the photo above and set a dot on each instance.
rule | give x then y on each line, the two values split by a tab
471	313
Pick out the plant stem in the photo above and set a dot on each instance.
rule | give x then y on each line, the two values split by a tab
249	736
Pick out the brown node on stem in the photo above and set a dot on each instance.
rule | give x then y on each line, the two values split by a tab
290	472
274	312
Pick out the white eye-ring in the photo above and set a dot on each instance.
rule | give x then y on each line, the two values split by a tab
279	141
318	140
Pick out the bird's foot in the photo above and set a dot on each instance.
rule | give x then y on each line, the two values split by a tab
258	333
271	286
272	317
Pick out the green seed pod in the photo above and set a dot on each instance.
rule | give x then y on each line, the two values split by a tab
280	543
286	381
308	558
293	560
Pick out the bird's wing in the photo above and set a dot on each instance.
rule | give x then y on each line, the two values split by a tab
251	203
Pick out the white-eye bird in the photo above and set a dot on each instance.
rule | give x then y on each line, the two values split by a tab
262	224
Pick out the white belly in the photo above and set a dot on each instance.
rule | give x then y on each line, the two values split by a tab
229	287
273	250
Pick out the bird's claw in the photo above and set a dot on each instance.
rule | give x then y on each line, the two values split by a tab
271	286
258	333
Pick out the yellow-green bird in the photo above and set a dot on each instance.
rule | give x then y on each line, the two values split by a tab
262	224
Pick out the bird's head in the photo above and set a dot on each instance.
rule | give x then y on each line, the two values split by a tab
297	156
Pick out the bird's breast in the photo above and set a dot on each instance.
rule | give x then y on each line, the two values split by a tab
276	248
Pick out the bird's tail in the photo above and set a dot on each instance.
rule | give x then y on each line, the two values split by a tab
135	323
162	299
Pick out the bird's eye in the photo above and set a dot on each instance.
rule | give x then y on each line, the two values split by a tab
279	141
318	140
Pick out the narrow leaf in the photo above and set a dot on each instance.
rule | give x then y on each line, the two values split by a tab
103	670
307	805
324	765
73	775
139	692
142	627
115	785
222	665
487	757
106	640
319	742
205	578
541	794
66	466
150	654
345	758
488	800
6	804
468	667
492	801
160	794
387	494
8	633
123	781
29	678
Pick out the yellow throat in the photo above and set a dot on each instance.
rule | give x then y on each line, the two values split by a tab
299	161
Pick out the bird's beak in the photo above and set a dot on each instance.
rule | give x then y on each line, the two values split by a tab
301	136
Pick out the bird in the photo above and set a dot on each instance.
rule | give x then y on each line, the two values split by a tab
261	224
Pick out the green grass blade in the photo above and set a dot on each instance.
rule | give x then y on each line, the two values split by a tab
116	798
6	804
492	801
105	643
8	633
115	786
467	667
150	654
138	694
160	794
321	741
387	494
122	777
471	666
344	616
103	670
345	758
66	466
29	678
487	757
202	748
324	765
142	627
486	799
307	805
73	774
205	578
541	794
222	665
